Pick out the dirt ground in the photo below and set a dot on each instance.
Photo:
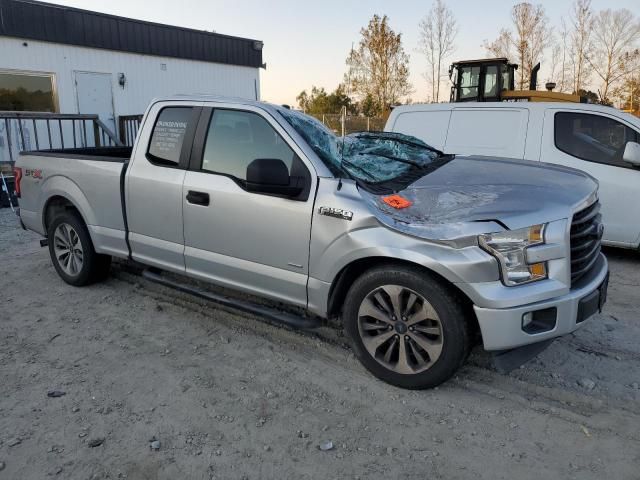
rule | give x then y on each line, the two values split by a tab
230	397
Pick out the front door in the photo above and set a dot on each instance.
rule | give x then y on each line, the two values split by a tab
594	143
250	241
95	96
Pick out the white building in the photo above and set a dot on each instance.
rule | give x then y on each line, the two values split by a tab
66	60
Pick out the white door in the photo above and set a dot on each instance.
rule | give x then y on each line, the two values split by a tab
95	96
594	143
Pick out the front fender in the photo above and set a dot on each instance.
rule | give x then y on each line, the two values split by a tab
457	265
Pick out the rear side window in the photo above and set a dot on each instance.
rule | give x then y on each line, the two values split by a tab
168	135
592	137
236	138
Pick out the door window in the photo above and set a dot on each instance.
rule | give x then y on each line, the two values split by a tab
236	138
491	82
593	137
168	135
469	82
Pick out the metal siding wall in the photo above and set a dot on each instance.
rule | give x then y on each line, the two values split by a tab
84	28
145	80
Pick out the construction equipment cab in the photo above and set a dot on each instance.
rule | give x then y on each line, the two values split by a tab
493	80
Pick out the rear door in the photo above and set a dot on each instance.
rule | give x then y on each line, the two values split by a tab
594	142
95	96
154	184
254	242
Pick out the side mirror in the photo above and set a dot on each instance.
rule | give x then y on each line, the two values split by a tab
632	154
271	175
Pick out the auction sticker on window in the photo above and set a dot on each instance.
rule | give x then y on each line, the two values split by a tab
169	132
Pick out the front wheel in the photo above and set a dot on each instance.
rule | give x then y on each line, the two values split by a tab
406	327
72	252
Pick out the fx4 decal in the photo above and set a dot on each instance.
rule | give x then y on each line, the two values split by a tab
336	212
37	173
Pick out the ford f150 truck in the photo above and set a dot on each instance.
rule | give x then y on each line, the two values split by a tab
417	252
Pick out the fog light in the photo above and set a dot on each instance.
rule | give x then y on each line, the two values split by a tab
540	321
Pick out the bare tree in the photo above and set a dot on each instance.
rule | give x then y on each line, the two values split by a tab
529	40
563	80
614	36
532	36
501	46
556	62
379	67
438	32
580	42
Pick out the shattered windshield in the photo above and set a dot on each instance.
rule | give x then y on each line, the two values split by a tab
369	157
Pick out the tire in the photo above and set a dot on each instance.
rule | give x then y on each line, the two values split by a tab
425	325
85	266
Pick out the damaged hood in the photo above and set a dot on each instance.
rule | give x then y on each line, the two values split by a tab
474	195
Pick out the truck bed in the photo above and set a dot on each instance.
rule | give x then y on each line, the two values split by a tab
91	178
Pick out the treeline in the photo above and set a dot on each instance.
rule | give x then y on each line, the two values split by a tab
589	52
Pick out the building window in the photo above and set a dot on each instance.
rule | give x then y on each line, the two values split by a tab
27	92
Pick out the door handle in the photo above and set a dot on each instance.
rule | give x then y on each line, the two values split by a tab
198	198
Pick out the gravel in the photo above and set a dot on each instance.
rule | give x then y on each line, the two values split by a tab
226	371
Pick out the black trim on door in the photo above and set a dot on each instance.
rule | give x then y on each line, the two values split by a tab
200	137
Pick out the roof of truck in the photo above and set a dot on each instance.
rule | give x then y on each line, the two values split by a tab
204	97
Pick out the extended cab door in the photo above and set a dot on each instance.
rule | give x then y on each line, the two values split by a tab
154	181
594	142
250	241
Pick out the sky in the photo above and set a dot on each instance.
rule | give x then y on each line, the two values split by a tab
306	43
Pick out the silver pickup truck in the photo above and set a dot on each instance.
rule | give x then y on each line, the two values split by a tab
418	253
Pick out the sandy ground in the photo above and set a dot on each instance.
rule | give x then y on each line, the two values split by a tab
230	397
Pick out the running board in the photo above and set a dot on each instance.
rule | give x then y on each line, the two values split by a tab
282	318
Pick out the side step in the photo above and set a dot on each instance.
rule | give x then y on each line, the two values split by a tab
283	318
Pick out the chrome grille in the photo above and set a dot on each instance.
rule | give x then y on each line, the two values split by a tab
586	236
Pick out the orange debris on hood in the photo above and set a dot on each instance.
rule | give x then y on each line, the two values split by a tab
397	201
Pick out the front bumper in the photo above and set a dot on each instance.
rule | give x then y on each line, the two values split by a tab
502	328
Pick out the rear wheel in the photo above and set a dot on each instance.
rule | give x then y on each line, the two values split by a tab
406	327
72	252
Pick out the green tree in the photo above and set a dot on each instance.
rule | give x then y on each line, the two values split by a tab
379	66
319	101
627	94
369	107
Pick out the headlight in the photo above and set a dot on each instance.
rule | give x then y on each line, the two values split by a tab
510	249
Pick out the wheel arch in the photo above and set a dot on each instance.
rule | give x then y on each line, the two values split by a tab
56	204
59	192
350	272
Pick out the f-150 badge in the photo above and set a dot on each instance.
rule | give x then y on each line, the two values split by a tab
336	212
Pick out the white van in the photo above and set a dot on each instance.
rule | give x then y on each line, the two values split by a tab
599	140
